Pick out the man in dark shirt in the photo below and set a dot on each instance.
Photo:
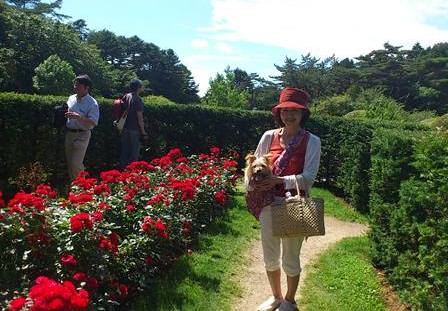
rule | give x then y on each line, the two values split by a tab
134	127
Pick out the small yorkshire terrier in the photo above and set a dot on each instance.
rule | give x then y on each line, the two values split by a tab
257	169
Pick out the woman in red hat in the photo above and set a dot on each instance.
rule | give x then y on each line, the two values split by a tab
295	156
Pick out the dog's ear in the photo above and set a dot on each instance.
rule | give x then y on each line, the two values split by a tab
268	158
250	158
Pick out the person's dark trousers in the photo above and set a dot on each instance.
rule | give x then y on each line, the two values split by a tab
130	147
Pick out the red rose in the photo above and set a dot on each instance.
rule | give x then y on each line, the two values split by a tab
17	304
148	260
68	260
130	207
92	283
175	153
203	156
123	290
111	176
80	301
2	203
103	205
97	216
230	163
80	277
215	150
80	221
81	198
221	197
56	304
182	160
102	188
165	161
45	190
160	225
76	225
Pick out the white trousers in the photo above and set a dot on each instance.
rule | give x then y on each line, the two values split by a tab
75	149
271	247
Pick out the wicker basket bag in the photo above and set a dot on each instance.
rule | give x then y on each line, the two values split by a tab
298	216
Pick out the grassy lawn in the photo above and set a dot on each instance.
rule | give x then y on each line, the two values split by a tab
343	279
337	207
204	280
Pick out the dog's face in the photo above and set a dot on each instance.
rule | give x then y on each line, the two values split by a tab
257	169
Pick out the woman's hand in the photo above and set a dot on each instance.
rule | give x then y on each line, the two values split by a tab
267	183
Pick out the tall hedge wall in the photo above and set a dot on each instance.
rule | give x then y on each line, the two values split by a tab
26	128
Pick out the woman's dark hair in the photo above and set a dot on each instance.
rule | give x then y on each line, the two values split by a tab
305	117
135	85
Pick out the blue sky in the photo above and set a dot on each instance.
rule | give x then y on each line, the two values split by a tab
253	35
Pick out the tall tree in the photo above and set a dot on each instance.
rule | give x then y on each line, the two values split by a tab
224	92
80	26
39	7
166	75
33	38
288	73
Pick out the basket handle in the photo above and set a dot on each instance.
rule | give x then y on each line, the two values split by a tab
298	189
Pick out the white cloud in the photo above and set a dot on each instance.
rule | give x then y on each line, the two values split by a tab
201	58
199	43
202	77
346	28
205	66
224	47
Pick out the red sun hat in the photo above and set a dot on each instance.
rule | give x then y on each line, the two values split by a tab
292	98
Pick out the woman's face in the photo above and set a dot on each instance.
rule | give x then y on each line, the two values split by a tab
291	117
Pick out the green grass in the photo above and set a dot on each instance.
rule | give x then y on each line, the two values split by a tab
205	280
337	207
343	279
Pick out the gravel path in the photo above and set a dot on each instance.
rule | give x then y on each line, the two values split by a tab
253	276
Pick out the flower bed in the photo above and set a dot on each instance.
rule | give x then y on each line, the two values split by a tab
112	235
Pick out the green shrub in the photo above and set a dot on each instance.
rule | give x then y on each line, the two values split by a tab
338	105
54	76
356	114
418	116
391	157
369	105
345	159
408	206
437	123
419	226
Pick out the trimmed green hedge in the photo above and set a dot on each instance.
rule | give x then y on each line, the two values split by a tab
419	224
391	156
26	125
408	211
345	159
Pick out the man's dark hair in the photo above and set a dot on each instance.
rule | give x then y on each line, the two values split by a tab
84	79
135	85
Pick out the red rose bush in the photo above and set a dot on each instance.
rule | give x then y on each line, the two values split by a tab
112	235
